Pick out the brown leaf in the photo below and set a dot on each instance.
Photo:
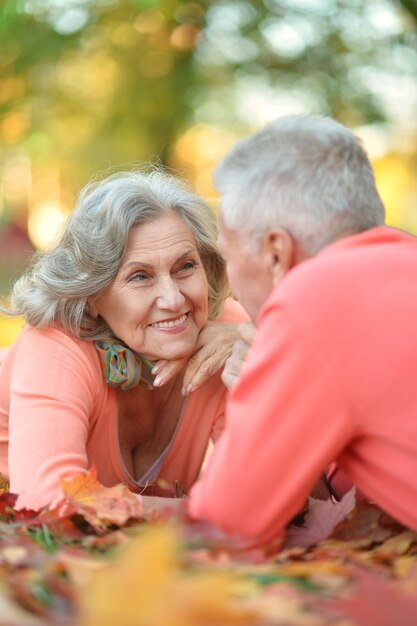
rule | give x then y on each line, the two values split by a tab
365	526
101	506
321	519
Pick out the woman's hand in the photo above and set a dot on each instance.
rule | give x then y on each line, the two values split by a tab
214	347
240	350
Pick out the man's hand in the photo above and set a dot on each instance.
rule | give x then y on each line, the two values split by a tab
240	349
217	340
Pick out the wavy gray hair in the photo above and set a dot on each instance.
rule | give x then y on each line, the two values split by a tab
306	174
88	255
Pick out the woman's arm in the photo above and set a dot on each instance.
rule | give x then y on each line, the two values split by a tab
51	402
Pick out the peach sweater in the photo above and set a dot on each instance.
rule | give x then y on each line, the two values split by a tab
331	376
58	417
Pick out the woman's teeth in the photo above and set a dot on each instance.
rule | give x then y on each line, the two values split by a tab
170	323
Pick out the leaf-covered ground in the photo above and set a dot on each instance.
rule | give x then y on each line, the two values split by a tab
96	562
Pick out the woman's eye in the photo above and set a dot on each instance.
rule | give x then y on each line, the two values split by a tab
188	265
139	276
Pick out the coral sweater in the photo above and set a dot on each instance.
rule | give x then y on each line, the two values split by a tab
58	417
331	375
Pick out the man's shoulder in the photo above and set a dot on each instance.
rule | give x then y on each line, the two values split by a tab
347	270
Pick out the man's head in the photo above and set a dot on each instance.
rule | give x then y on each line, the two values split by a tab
287	191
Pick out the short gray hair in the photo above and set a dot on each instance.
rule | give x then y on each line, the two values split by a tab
306	174
88	255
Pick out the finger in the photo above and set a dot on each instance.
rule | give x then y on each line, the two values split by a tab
234	364
247	331
239	352
200	368
218	333
158	365
195	378
210	367
229	378
216	350
167	371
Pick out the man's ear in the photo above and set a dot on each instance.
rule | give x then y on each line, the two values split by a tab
279	247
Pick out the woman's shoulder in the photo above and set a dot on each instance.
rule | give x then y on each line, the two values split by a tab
51	337
54	345
233	312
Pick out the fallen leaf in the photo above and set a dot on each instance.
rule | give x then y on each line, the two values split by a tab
178	572
405	566
13	615
376	602
79	565
8	513
145	586
366	525
4	484
395	546
321	519
14	555
101	506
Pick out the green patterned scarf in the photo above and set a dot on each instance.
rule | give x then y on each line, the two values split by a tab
123	367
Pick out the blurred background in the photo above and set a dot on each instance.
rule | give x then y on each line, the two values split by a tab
92	85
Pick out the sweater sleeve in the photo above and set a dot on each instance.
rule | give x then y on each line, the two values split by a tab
233	312
51	403
285	421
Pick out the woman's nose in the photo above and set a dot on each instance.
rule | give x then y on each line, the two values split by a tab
170	296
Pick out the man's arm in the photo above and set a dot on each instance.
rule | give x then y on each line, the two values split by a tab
287	418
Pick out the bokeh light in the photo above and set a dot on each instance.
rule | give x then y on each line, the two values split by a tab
45	223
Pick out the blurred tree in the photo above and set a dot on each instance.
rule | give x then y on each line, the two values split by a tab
105	82
353	60
96	83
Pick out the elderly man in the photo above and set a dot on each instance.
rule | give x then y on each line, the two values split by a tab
331	373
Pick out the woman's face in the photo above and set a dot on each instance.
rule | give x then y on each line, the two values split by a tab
158	302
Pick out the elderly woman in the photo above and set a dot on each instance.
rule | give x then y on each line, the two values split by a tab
132	281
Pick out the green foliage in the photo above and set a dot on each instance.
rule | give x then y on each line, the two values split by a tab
119	85
42	536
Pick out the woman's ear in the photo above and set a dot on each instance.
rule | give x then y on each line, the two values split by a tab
279	247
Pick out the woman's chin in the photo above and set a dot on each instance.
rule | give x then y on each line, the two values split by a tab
173	350
170	355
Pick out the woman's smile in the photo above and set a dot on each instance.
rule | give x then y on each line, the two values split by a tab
171	325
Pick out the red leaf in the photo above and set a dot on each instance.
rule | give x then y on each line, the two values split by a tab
377	603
